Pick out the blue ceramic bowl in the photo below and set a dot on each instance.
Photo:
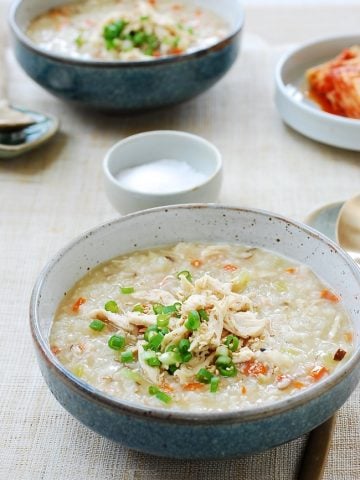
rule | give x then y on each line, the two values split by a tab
126	86
195	435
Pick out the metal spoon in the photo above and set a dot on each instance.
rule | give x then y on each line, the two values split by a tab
21	129
348	228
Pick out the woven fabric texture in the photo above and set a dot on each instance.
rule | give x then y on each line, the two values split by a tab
54	193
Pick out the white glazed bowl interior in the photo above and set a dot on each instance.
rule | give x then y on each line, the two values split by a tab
301	113
206	223
149	147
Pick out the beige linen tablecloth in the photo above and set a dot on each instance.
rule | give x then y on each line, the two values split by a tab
49	196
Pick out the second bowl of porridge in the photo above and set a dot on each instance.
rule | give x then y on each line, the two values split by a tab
126	55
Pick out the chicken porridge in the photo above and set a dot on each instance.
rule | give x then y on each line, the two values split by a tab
126	29
201	327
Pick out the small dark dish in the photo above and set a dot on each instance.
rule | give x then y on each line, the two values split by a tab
188	434
126	86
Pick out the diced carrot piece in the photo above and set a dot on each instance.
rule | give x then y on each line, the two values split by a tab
55	350
193	387
254	368
297	384
318	372
176	51
166	387
196	263
327	295
80	301
230	268
152	2
243	390
291	270
198	11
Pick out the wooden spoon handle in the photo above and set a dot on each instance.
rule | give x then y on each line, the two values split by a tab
316	451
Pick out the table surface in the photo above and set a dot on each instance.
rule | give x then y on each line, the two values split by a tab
53	194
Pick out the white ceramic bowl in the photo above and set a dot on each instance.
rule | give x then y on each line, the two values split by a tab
148	147
298	111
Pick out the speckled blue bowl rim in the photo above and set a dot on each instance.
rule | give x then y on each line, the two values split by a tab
176	416
154	133
22	37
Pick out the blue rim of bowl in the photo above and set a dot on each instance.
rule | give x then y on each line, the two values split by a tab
177	133
22	37
282	87
177	416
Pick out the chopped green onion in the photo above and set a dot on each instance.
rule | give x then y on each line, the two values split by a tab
155	341
149	332
203	315
158	308
144	18
164	330
132	375
127	357
186	274
139	38
113	30
153	362
159	394
223	361
170	358
97	325
172	348
222	350
184	345
232	342
112	306
186	357
138	308
162	320
214	384
193	320
116	342
79	41
229	371
204	376
172	369
127	290
163	397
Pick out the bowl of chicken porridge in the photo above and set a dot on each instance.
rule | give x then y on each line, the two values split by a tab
199	331
126	55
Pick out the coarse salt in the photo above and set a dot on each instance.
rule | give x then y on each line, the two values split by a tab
161	176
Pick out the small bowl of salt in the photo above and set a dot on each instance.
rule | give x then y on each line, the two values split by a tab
163	167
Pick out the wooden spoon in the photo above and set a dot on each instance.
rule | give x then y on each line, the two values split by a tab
348	228
316	451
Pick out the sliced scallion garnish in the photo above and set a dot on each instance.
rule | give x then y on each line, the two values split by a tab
127	357
193	320
116	342
159	394
232	342
204	376
111	306
162	320
186	274
97	325
127	290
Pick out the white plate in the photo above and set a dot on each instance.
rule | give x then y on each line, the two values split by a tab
297	110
